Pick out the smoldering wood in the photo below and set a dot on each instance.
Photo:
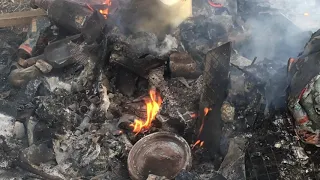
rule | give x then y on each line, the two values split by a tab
138	52
178	101
77	18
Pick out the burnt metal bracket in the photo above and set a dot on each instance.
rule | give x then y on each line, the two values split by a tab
215	85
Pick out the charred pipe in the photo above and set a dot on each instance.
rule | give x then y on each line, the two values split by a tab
182	65
83	107
85	122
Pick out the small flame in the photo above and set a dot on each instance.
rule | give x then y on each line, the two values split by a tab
199	142
206	111
105	12
306	14
153	106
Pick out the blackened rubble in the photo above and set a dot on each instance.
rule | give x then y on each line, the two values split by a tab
70	101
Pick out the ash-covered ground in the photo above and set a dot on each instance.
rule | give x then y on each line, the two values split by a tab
40	124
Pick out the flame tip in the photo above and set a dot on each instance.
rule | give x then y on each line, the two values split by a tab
153	104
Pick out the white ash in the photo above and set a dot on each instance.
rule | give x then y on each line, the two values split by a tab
4	164
53	171
90	155
105	99
300	154
6	125
54	83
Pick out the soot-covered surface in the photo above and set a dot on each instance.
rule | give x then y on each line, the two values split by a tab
274	152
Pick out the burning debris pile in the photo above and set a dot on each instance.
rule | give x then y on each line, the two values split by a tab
138	89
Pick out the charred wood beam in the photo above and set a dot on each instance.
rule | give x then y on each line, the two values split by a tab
19	18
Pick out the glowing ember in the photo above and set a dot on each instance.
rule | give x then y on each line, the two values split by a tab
153	104
194	115
206	111
105	12
199	142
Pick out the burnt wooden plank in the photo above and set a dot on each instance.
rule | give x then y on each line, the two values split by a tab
20	18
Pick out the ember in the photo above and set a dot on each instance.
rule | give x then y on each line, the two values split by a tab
153	104
105	11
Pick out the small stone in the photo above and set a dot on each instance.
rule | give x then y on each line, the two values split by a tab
155	177
35	155
19	130
109	115
277	145
6	125
43	66
227	112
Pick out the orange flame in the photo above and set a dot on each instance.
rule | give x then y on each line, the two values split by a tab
199	142
153	106
206	111
105	12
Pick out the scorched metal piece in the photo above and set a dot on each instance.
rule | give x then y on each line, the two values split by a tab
161	154
74	17
215	84
62	53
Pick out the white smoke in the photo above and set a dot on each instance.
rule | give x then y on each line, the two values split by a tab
168	44
304	13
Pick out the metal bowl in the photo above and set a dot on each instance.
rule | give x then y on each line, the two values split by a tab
161	153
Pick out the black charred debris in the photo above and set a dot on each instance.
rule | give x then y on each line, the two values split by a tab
71	87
